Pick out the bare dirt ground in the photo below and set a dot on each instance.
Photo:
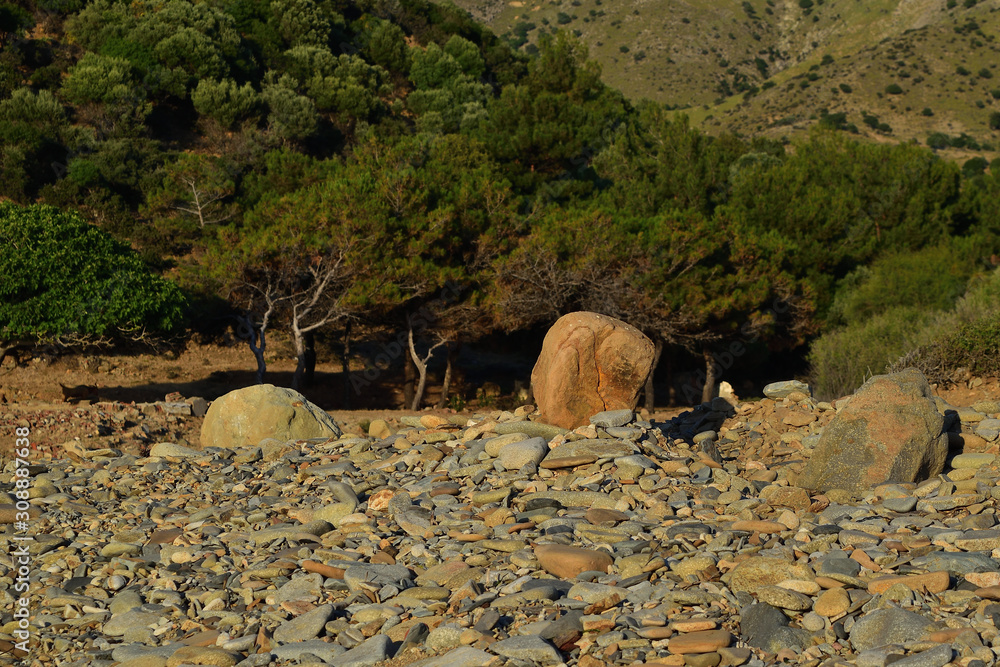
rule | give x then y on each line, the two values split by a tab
124	414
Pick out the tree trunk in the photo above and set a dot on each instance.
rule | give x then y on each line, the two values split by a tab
409	379
345	365
657	351
298	339
708	392
252	335
668	370
446	383
421	366
309	372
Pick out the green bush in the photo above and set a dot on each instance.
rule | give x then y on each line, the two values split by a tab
225	101
62	279
894	89
966	337
932	278
843	359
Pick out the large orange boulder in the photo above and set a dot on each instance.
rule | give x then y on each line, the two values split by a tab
589	363
890	431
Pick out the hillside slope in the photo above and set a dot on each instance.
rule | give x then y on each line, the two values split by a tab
777	67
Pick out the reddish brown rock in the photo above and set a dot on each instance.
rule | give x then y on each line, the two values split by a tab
699	642
759	526
589	363
932	582
567	562
890	431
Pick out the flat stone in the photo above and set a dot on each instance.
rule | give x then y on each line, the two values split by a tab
939	656
782	598
531	429
566	462
574	498
325	651
527	648
202	655
603	448
779	390
464	656
759	526
599	517
516	455
988	429
612	418
304	627
375	575
165	449
888	626
759	571
972	460
133	619
567	562
494	446
956	563
601	594
931	582
979	540
706	641
901	505
370	652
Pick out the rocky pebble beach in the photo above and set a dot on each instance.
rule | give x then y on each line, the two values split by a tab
502	540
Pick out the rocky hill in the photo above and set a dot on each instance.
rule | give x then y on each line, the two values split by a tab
896	70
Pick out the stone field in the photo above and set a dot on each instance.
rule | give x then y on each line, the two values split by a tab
502	540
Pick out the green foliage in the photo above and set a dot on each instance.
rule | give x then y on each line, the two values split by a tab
30	125
834	121
963	340
843	359
385	45
14	21
843	202
344	83
304	22
894	89
173	44
62	279
974	166
291	116
98	78
931	278
994	120
225	101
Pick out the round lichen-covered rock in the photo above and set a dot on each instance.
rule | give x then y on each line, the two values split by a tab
244	417
589	363
890	431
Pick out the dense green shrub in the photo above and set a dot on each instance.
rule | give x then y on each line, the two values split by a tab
968	338
932	278
62	279
843	359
